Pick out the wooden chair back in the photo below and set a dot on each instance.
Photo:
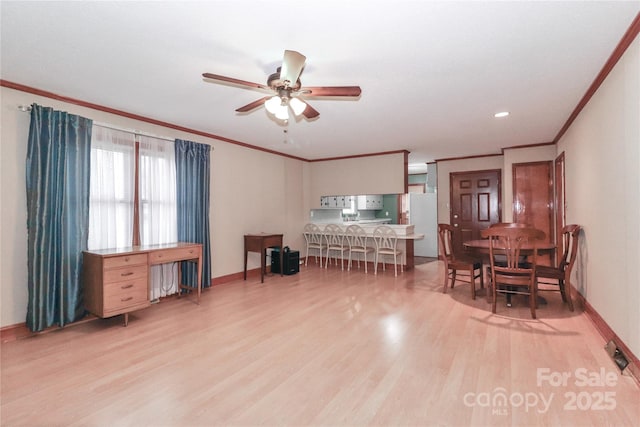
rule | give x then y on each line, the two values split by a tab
508	273
508	241
445	237
570	247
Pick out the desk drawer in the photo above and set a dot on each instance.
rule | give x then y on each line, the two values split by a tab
125	260
126	273
116	298
177	254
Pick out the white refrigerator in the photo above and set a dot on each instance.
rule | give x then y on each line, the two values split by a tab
423	214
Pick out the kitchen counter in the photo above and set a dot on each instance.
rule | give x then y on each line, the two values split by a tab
405	234
402	230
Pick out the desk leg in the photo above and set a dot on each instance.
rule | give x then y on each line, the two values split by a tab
245	262
281	260
179	281
263	257
199	282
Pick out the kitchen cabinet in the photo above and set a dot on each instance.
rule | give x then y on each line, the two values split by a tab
335	202
370	202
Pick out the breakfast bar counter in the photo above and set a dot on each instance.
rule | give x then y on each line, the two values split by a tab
404	232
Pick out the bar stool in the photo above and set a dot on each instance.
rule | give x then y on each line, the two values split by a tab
315	240
387	245
357	238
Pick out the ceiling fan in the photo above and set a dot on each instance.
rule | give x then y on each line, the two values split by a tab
285	82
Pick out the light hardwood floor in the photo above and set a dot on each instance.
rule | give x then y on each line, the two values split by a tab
322	347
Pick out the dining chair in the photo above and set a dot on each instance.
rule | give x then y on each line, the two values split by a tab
501	259
386	242
457	262
561	275
508	274
357	239
336	242
315	240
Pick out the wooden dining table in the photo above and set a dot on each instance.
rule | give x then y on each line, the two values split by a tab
481	246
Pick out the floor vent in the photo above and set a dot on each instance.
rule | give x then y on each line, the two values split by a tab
616	354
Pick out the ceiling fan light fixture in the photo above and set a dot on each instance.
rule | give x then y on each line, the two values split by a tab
282	113
273	104
297	106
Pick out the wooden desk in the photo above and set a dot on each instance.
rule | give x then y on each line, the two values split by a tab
116	281
260	243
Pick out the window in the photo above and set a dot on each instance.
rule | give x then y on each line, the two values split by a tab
111	202
118	217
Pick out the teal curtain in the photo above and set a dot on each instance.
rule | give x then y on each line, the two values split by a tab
58	161
192	193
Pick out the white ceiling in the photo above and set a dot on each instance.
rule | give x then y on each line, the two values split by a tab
432	73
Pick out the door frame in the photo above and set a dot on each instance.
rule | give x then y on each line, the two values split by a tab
559	199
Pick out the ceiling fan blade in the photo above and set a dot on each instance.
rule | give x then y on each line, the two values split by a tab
252	105
331	91
292	65
310	112
234	81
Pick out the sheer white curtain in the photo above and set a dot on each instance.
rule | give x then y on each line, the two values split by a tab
158	209
112	197
111	191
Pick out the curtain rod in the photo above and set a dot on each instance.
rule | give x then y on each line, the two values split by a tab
27	108
135	132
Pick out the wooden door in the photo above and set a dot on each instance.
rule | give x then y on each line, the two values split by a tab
475	203
533	196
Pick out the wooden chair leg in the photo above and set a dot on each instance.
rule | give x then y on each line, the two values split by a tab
489	290
472	282
532	302
446	281
494	297
565	287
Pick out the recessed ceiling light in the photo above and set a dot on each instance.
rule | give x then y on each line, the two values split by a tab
501	114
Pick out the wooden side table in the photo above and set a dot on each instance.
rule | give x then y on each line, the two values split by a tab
259	243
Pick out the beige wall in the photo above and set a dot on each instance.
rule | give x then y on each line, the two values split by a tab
267	195
251	191
602	160
383	174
